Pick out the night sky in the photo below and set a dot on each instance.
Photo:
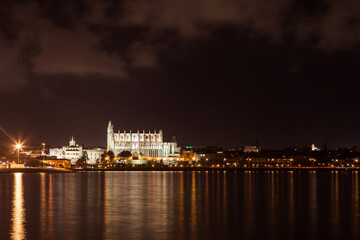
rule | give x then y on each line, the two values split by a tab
211	72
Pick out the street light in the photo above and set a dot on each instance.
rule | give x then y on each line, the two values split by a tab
44	149
18	146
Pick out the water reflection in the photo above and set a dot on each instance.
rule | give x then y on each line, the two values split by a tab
335	212
193	200
181	205
43	214
355	204
18	211
47	212
248	211
291	203
313	201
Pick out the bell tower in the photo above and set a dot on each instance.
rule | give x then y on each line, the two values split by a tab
110	137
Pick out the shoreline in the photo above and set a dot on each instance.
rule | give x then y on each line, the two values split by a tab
174	169
35	170
219	169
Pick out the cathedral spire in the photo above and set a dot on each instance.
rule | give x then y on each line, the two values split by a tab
110	136
72	141
110	127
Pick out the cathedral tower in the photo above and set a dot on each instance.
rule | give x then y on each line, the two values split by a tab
110	137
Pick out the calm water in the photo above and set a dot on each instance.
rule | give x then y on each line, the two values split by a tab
180	205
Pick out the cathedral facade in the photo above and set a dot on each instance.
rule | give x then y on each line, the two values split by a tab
141	144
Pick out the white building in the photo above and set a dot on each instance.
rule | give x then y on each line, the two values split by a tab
248	149
94	154
72	152
142	145
314	148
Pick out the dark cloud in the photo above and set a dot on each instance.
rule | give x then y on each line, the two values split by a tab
190	17
143	55
67	37
336	26
55	50
12	71
74	50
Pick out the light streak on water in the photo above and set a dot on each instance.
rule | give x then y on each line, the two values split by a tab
18	211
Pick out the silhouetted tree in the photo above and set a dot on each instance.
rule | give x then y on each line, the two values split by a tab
107	159
83	160
125	154
33	163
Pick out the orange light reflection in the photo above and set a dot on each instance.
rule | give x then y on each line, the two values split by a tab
18	211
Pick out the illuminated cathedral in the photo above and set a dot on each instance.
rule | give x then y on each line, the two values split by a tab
141	144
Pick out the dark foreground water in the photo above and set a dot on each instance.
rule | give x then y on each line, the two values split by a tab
180	205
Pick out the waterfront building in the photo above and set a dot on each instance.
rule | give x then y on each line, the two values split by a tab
144	145
314	148
94	154
57	163
248	149
188	154
12	165
73	152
